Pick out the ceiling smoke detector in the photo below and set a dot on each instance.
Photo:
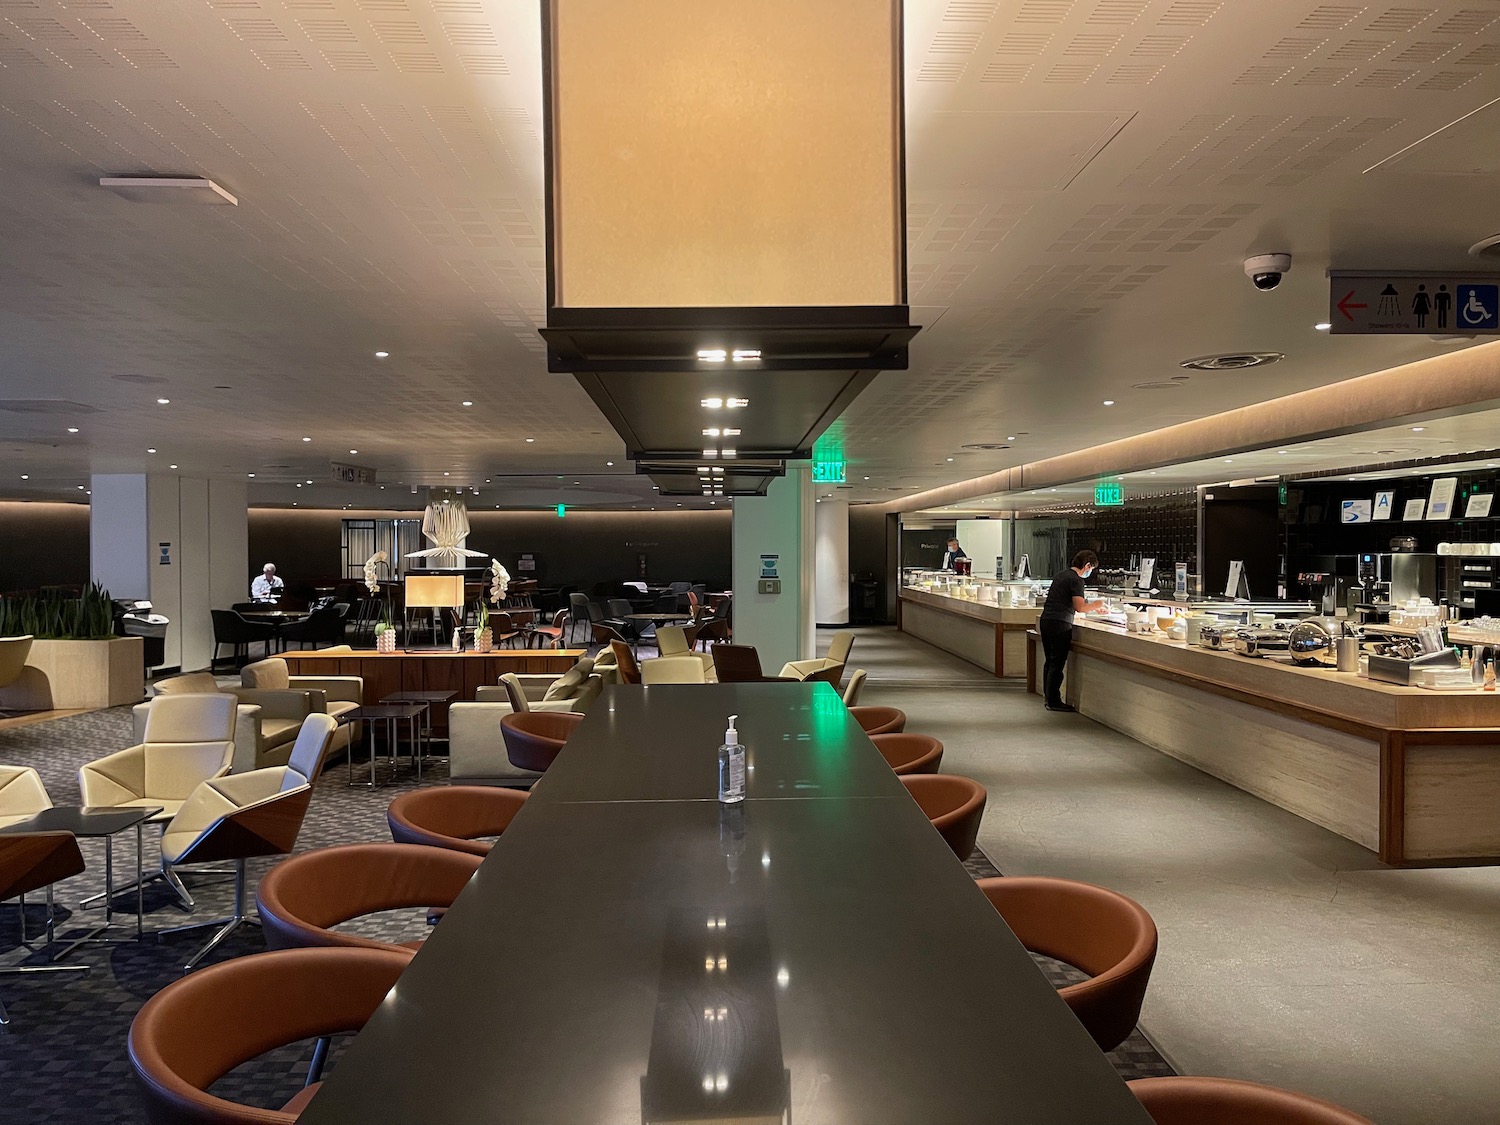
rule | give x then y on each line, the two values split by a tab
985	445
1231	361
168	189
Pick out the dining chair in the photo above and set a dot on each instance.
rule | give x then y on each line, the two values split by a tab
1191	1100
630	670
954	805
909	753
454	816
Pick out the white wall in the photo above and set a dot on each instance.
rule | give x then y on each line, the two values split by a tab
831	562
781	625
982	541
118	558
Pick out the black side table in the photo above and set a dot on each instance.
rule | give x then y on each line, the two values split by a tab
427	699
390	714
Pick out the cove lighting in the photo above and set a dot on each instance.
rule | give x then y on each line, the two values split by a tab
712	355
741	355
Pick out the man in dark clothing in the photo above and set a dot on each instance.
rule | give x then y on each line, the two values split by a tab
1065	597
953	552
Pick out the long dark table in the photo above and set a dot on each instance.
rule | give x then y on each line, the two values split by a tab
631	952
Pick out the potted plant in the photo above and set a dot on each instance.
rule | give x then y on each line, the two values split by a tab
484	636
385	631
76	660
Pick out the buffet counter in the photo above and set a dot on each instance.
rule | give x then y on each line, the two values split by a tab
991	636
1409	773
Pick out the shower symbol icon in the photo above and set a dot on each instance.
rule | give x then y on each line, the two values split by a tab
1478	306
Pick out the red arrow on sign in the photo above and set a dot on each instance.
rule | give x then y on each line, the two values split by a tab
1345	305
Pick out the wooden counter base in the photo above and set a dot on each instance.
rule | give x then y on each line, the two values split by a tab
385	673
990	636
1335	753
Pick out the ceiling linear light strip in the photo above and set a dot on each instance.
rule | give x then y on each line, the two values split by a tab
168	189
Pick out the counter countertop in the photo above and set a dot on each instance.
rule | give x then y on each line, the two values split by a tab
968	607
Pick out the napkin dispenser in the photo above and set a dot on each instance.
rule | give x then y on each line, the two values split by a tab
1395	670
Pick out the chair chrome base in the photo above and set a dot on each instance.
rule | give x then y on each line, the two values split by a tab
184	898
226	926
29	970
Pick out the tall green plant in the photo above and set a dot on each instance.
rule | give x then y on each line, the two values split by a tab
55	616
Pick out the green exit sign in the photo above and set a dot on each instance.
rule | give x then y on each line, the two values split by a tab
828	472
562	510
1109	494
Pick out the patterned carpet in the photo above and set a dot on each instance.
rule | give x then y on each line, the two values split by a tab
62	1059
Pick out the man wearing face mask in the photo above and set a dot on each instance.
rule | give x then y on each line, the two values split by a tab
1065	597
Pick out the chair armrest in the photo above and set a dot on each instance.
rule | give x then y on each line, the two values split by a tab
138	715
476	749
246	738
339	689
280	703
801	669
114	778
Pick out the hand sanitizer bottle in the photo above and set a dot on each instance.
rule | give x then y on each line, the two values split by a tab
731	767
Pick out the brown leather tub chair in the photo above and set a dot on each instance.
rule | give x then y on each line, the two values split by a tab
909	753
1227	1101
30	861
534	739
879	720
301	899
955	805
1095	929
197	1029
454	816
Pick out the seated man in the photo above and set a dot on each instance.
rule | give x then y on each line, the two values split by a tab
267	587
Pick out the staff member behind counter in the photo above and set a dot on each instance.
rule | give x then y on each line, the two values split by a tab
1065	597
954	551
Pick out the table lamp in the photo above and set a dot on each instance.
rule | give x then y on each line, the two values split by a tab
433	591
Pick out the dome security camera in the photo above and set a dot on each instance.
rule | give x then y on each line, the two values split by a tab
1265	270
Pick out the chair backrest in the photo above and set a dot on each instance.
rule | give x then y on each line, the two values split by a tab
579	603
190	683
854	687
302	898
736	663
13	653
666	603
313	740
535	738
630	671
181	1044
271	674
686	669
954	805
191	718
454	816
879	720
679	587
830	674
909	753
515	693
22	794
618	607
839	646
1190	1100
242	816
32	860
671	640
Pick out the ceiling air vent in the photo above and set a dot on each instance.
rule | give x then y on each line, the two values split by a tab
985	445
1157	385
1231	361
168	189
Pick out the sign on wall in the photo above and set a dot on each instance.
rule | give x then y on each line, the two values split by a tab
828	472
1414	509
1440	503
1479	505
1405	304
1354	511
1109	494
1385	503
351	474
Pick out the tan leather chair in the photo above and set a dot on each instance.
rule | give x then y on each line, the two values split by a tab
197	1029
246	816
855	685
910	753
255	734
280	695
879	720
1228	1101
1095	929
674	640
685	669
605	667
301	899
30	861
454	816
630	671
575	690
832	663
955	805
22	794
188	739
533	740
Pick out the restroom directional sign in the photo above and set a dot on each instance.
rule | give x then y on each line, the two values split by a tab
1366	304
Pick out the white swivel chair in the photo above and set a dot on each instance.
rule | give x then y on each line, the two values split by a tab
838	656
671	640
22	794
687	669
189	739
244	816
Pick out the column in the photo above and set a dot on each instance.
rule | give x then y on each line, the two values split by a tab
831	562
780	523
179	542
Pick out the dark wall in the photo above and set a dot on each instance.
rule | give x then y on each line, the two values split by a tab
1162	529
872	558
43	545
1245	524
580	549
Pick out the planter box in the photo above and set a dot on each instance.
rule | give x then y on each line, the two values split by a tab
64	675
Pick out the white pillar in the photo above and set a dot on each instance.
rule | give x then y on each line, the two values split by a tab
831	551
780	523
180	542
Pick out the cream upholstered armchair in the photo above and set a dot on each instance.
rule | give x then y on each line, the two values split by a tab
188	739
244	816
22	794
838	656
671	640
684	669
574	690
476	751
328	695
254	735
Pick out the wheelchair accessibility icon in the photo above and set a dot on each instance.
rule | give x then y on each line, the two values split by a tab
1477	306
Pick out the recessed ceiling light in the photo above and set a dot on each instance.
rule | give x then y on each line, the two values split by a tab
609	463
72	429
1418	429
299	486
736	403
867	478
712	355
309	482
1109	402
249	474
307	439
447	474
382	355
1229	460
25	476
1281	452
530	440
80	488
468	402
711	403
743	354
163	401
150	450
171	466
1323	326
